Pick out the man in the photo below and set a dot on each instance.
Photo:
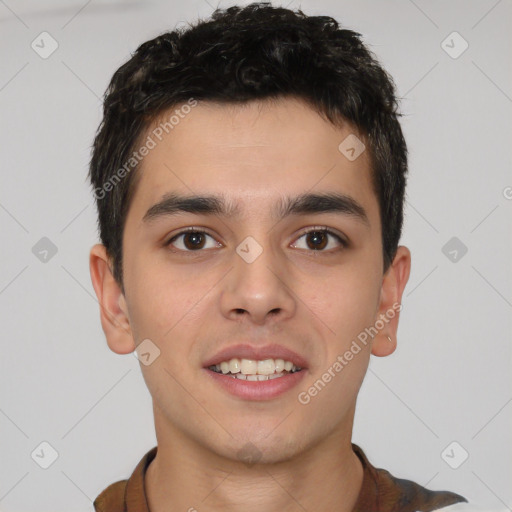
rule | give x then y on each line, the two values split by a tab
249	175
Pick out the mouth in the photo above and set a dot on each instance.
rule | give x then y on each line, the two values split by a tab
253	370
256	373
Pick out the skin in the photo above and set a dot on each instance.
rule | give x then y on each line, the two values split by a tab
192	304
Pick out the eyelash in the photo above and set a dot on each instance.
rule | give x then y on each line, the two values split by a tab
314	229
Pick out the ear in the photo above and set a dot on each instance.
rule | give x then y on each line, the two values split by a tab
393	284
113	311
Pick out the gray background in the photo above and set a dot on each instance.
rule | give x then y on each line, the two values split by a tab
449	379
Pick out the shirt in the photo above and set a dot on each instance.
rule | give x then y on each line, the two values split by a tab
380	492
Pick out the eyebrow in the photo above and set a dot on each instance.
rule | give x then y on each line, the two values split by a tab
308	203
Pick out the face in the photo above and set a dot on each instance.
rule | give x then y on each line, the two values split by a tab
258	276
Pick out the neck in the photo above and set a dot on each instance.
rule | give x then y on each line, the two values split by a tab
185	476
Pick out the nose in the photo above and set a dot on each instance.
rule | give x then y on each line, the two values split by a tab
258	289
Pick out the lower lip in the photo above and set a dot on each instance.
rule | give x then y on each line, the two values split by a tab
259	389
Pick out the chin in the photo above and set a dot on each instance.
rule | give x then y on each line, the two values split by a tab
266	446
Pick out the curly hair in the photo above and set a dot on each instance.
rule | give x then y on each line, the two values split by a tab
238	55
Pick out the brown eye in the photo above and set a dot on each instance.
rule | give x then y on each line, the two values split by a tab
318	239
194	240
191	240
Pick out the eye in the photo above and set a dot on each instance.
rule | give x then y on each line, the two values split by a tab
192	239
317	239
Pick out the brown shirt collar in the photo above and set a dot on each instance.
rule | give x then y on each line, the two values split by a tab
380	492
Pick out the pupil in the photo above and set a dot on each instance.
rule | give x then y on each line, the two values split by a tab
196	238
317	237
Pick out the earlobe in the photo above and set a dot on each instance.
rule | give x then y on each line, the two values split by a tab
383	345
113	311
393	284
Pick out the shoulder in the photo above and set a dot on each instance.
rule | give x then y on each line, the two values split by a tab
385	492
115	497
465	507
111	499
408	495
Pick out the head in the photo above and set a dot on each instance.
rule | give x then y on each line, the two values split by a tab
251	128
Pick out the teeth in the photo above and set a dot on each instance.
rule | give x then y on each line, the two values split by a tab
248	366
241	376
250	369
266	367
234	366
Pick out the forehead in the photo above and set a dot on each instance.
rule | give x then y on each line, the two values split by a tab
254	154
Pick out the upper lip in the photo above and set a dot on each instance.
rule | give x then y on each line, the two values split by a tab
245	351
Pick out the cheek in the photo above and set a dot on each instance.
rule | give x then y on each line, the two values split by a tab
346	303
168	306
